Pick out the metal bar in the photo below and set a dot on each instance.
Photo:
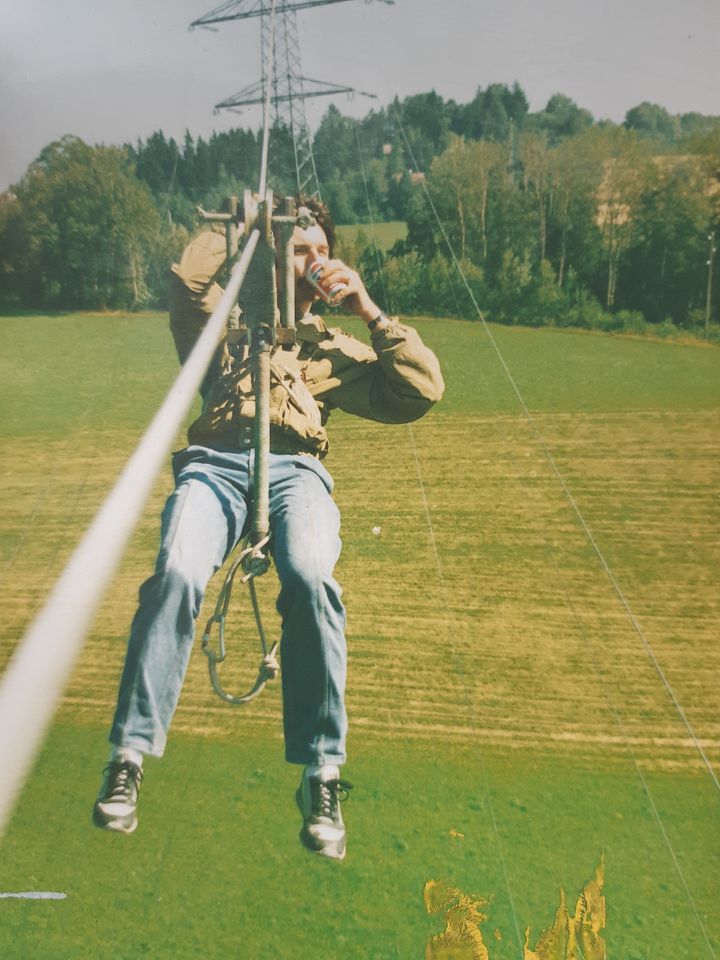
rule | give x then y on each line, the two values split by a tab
231	231
261	347
286	249
262	11
41	666
232	102
259	311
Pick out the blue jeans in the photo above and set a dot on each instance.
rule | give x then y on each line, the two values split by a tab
202	522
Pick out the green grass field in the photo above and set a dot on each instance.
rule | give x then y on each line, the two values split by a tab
507	724
385	234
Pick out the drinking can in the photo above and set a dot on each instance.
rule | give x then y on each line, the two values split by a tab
335	294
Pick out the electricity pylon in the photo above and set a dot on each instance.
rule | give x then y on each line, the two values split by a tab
281	68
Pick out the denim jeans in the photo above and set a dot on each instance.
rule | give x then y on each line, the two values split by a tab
203	520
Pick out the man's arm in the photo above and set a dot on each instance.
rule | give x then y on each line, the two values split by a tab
402	380
399	384
193	293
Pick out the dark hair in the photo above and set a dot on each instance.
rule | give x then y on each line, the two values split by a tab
322	216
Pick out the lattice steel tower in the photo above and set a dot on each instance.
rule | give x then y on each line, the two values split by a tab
281	68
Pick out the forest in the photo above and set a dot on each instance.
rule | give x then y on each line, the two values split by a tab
553	217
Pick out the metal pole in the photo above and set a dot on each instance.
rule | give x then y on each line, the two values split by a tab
261	341
285	230
229	218
231	230
259	311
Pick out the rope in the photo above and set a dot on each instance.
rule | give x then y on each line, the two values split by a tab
41	665
608	696
386	299
571	500
617	717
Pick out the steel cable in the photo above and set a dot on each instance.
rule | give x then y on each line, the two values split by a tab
608	696
444	589
41	666
553	465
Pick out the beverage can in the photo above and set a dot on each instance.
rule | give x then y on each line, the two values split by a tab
332	296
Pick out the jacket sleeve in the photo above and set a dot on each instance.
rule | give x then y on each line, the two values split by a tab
400	383
193	293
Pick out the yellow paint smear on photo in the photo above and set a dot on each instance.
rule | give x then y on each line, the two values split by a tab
576	937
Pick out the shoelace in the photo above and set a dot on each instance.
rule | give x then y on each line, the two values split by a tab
327	796
123	778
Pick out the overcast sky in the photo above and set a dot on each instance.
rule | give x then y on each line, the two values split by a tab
113	72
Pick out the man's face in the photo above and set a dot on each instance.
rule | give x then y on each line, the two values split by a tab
310	245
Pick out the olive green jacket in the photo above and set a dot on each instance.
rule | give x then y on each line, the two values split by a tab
396	380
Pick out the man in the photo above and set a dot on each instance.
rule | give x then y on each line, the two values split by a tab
395	381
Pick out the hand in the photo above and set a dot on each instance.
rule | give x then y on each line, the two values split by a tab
356	297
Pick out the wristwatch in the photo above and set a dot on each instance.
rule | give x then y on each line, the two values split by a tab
380	321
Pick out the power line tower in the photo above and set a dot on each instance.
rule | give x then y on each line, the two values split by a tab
282	70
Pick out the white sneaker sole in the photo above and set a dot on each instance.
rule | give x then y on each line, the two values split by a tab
117	825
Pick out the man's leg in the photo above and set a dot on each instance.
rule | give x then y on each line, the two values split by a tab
306	545
201	522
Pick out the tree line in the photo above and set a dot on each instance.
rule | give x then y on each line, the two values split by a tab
554	216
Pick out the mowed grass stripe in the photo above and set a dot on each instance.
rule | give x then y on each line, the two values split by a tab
412	673
522	636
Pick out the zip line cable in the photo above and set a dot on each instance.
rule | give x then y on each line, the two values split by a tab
50	478
41	666
378	258
589	642
571	500
440	573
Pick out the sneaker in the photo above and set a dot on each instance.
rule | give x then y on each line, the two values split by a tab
116	805
323	829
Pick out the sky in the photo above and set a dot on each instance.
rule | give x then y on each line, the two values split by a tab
116	72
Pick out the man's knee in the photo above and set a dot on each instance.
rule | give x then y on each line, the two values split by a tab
298	579
174	586
307	588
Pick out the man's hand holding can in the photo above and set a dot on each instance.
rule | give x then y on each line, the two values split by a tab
336	284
